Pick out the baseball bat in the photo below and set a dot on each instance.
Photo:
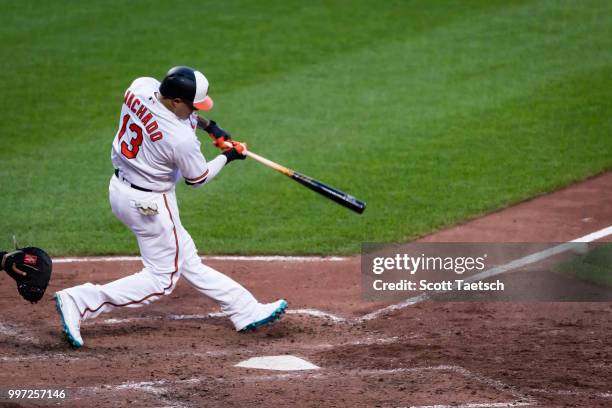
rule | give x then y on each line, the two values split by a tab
317	186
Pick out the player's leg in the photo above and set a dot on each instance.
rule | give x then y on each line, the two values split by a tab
135	290
158	242
235	300
245	312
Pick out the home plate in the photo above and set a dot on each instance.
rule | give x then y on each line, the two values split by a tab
283	363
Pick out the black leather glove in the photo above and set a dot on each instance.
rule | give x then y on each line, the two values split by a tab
232	154
237	152
31	268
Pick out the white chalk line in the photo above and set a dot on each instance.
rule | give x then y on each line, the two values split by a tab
575	244
306	312
317	313
594	236
255	258
571	392
39	357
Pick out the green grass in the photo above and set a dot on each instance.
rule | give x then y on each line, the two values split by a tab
433	112
594	267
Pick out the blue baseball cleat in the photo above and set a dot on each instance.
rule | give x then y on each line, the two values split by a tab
270	312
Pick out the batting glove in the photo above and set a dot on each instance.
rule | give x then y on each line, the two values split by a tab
236	152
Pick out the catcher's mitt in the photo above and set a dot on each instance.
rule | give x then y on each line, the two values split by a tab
31	268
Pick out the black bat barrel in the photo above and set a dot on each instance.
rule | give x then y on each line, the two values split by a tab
338	196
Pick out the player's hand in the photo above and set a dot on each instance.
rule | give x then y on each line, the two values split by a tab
218	133
7	262
239	146
236	152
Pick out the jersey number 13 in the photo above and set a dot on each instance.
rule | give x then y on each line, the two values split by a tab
130	150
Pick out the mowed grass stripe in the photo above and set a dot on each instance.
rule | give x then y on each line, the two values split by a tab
93	52
431	124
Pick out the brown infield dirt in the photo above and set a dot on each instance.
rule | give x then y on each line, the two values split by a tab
470	354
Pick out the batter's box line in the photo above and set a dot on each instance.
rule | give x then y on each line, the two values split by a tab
603	395
496	384
305	312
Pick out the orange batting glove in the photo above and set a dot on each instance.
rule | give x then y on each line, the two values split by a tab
239	146
236	152
220	143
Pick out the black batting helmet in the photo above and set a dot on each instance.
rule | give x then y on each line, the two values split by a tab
189	84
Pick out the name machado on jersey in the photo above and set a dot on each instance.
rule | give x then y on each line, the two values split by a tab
153	147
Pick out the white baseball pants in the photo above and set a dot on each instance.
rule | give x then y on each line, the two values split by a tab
168	252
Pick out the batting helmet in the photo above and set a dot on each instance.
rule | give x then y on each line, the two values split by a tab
189	84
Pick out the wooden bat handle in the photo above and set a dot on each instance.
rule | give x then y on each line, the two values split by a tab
282	169
266	162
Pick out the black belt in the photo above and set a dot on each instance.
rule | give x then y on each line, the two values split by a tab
132	185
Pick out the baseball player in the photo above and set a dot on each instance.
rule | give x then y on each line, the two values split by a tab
155	146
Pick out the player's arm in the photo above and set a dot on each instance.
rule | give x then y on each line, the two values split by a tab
194	168
219	135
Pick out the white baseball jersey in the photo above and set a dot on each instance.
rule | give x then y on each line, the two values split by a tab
153	148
